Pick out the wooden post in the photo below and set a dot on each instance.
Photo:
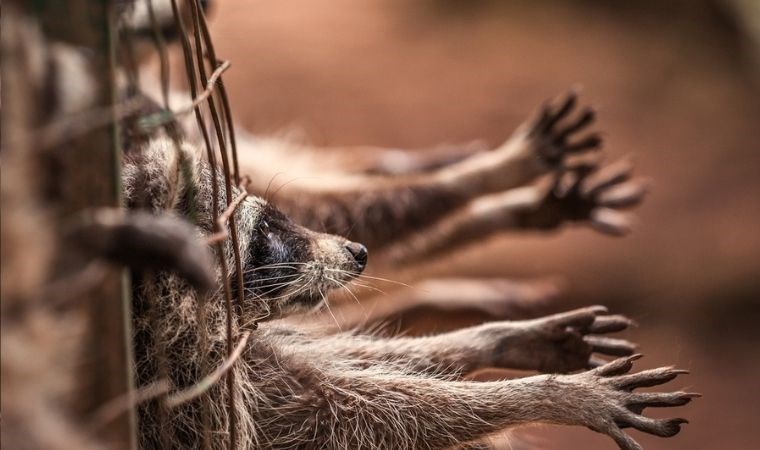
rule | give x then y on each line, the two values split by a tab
88	176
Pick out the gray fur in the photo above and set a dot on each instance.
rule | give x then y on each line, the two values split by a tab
305	390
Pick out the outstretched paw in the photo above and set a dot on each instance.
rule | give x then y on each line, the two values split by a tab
596	196
560	131
559	343
612	405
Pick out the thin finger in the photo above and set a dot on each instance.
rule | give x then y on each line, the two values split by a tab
658	427
567	182
606	176
626	194
584	162
623	441
647	378
610	346
661	399
595	362
581	122
589	142
578	317
610	324
619	366
567	105
610	222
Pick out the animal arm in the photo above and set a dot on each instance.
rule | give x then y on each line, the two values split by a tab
377	210
451	353
593	196
394	161
474	300
480	218
558	343
375	409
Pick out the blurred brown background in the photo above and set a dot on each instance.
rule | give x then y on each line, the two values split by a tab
677	83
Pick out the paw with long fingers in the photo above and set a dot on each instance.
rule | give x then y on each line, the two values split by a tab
559	130
596	196
558	343
603	399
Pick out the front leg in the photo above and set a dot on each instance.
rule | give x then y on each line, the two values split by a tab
559	343
596	197
539	146
582	195
428	306
380	210
339	408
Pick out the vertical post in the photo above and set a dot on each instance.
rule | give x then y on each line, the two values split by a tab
89	177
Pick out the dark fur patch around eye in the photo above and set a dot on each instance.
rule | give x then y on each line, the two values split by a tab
276	254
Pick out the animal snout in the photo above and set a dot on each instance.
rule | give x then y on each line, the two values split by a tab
359	253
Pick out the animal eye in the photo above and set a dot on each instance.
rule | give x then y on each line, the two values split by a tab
264	227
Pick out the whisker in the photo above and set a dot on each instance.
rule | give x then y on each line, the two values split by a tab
343	285
256	269
335	319
351	293
384	279
274	286
291	294
280	264
277	278
368	286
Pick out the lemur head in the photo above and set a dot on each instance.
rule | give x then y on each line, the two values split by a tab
286	267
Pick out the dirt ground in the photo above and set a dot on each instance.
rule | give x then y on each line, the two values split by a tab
672	87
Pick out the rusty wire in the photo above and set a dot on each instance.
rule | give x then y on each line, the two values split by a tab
209	380
116	407
214	102
70	127
200	71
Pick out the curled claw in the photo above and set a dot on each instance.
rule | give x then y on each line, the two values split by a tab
648	378
567	341
640	400
582	317
627	413
588	194
618	367
658	427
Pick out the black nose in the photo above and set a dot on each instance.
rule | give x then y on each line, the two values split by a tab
359	252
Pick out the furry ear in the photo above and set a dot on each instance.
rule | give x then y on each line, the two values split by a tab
158	173
142	19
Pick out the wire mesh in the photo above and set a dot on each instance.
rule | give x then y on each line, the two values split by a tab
116	406
211	108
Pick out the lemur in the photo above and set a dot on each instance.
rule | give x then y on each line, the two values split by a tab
298	388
